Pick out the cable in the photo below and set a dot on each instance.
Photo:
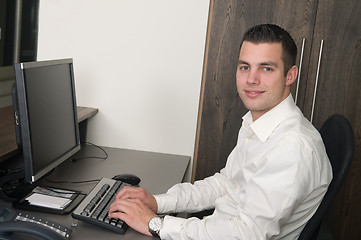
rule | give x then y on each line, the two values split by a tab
71	182
10	171
76	159
92	144
58	191
77	182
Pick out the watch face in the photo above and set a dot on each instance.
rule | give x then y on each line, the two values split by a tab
155	224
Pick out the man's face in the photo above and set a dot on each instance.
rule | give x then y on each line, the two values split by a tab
261	83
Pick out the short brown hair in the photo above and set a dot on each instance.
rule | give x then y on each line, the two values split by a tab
270	33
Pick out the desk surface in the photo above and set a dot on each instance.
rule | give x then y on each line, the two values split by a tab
158	172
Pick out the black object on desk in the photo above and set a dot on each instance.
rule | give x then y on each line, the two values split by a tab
127	178
71	197
16	224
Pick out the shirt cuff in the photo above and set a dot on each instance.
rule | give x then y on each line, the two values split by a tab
171	227
166	203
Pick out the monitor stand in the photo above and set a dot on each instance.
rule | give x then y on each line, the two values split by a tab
12	183
12	187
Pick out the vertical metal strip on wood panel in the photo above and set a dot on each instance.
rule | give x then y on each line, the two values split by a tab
316	83
300	69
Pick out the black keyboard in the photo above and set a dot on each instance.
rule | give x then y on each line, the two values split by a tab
94	208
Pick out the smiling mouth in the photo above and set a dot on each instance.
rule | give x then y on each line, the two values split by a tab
253	93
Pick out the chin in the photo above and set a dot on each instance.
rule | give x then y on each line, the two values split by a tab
251	105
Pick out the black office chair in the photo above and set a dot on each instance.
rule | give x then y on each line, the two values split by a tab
337	135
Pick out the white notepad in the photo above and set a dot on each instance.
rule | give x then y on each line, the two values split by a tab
48	201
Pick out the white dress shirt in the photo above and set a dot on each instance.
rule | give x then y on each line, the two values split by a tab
273	182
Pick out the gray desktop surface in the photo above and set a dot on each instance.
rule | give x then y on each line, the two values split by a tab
158	172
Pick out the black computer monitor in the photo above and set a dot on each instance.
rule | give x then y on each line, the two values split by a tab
45	113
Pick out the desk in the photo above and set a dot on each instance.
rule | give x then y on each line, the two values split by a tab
8	146
157	171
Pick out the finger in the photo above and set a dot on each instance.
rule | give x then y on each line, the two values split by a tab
133	212
120	215
130	192
124	192
123	205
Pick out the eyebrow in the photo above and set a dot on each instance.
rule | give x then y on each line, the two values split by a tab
270	63
273	64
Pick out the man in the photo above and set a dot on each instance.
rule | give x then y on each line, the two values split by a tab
275	177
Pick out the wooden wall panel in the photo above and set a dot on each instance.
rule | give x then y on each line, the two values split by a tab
338	91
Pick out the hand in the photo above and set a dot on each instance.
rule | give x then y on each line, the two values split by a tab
134	212
138	193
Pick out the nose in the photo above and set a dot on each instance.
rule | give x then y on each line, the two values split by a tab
253	77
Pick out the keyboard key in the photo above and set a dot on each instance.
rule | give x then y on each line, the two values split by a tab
95	207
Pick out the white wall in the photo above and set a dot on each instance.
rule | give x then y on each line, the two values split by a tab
138	61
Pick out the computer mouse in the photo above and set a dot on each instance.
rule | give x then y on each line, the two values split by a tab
127	178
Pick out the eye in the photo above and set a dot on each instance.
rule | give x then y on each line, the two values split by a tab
267	69
244	68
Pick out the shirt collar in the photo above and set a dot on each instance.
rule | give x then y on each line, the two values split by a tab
267	123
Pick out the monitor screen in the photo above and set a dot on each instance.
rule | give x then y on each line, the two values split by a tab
45	111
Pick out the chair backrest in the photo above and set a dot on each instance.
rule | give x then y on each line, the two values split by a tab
337	135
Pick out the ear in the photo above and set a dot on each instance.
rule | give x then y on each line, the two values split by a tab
291	75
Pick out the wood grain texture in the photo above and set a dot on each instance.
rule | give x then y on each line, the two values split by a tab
85	113
338	23
8	147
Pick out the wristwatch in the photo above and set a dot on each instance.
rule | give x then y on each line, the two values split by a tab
154	225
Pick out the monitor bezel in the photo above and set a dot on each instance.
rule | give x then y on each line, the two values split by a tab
22	119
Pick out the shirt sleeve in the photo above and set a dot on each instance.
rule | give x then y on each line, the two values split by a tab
175	228
187	197
193	197
274	190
